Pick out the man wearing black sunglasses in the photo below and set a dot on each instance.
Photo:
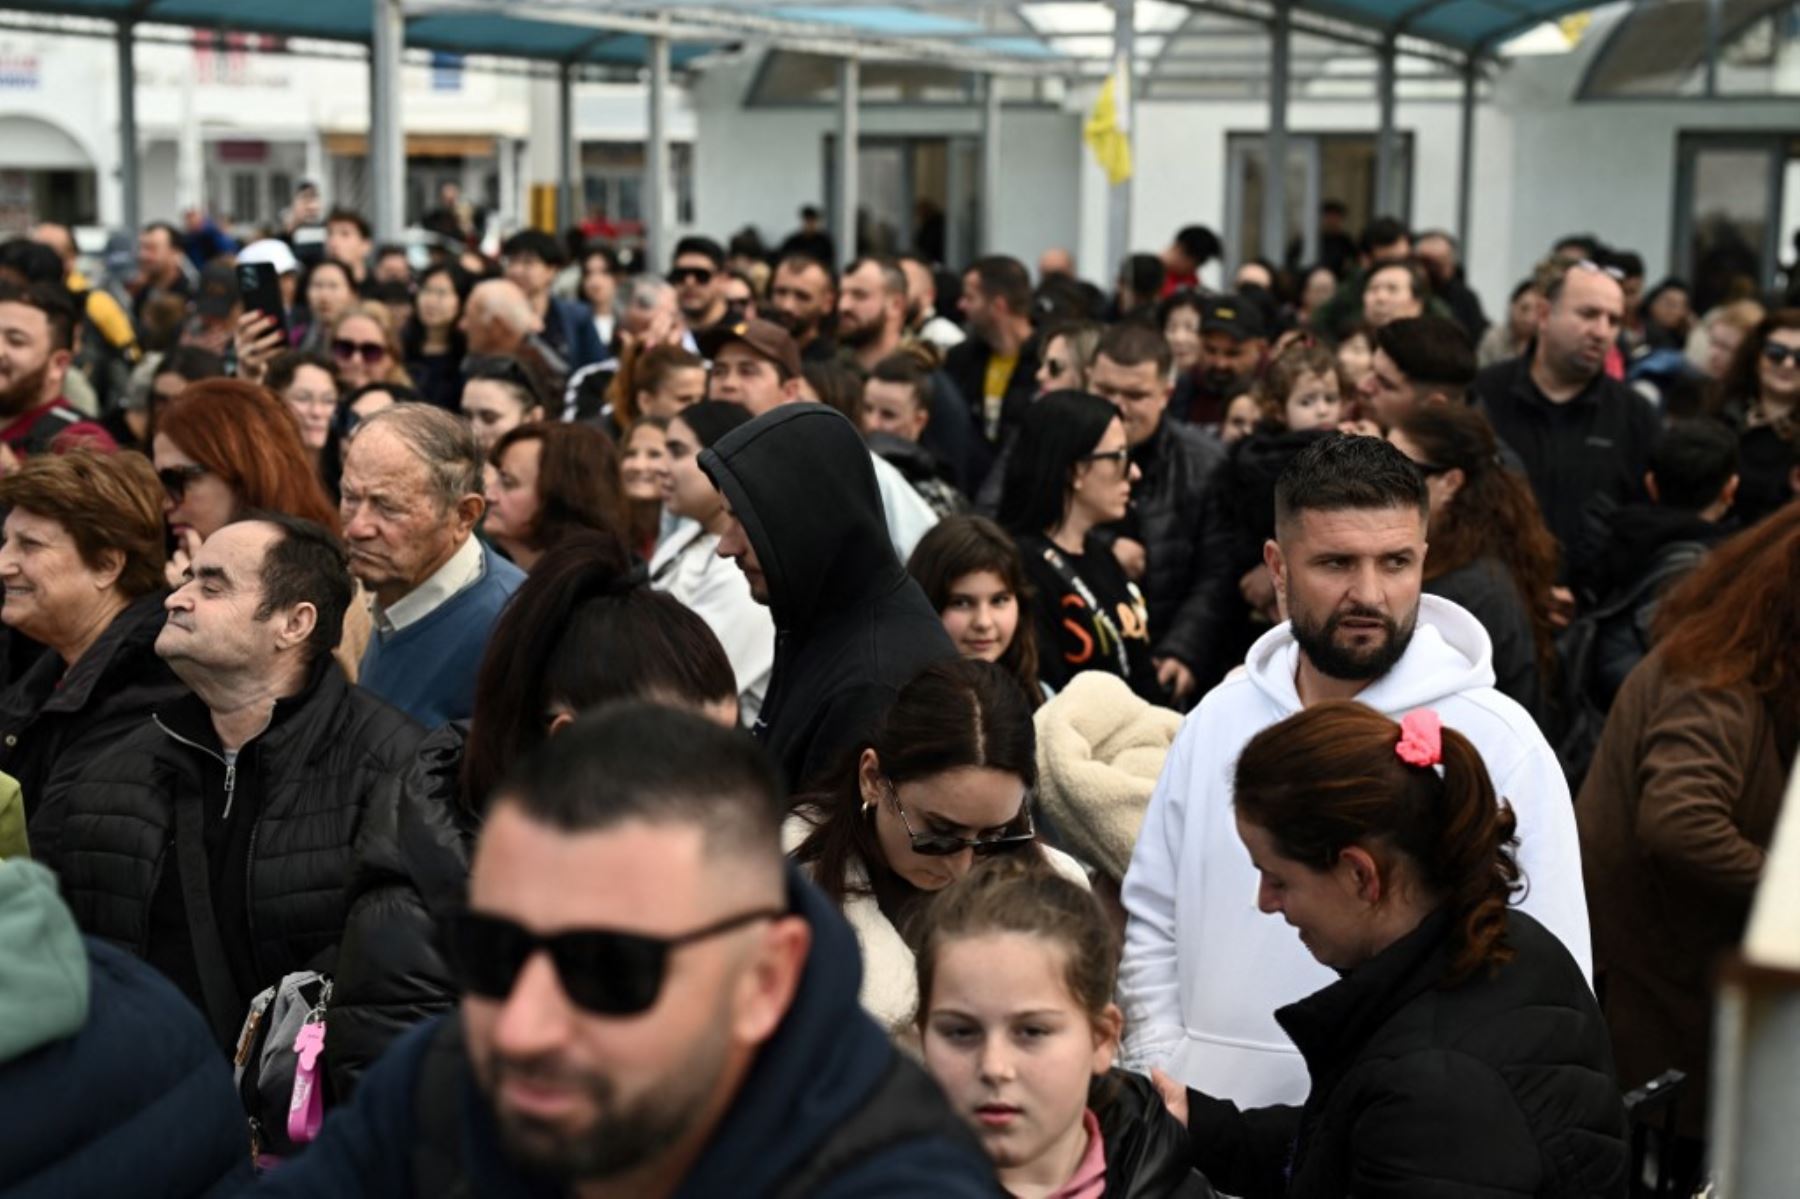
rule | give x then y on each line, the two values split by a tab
655	1004
698	275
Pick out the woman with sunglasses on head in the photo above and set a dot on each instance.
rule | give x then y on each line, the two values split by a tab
580	632
1017	1023
366	348
1760	396
1490	552
1070	472
1459	1049
498	396
431	342
946	779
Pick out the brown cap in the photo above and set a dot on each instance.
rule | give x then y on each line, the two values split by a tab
765	339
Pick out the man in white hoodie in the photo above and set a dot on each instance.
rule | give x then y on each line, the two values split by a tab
1204	970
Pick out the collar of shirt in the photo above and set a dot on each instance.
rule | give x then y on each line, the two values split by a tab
463	569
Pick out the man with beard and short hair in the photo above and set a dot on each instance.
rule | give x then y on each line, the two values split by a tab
995	370
922	316
802	297
1581	435
1233	341
1348	562
655	1004
37	330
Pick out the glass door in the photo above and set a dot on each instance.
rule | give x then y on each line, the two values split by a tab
1322	167
1736	212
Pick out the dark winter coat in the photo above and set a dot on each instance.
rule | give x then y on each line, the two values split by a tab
138	1102
53	725
851	626
408	1133
410	868
317	770
1595	445
1487	591
1501	1086
1676	817
1178	462
966	365
1147	1155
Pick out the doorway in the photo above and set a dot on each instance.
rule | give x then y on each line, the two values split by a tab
1737	211
1320	167
914	195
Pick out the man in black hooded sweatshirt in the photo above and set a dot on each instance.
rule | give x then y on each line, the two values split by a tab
851	626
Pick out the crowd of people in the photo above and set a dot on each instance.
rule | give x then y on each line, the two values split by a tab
788	726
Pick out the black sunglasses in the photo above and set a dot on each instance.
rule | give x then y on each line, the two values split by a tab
1120	458
175	479
1779	354
942	845
696	274
605	972
371	352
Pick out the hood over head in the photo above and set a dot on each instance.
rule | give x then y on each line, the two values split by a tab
800	481
1450	653
43	962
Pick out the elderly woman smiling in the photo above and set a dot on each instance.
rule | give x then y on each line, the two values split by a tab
81	559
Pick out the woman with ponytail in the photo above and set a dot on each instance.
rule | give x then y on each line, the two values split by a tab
581	631
1460	1051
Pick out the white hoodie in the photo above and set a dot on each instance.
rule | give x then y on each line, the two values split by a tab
1204	970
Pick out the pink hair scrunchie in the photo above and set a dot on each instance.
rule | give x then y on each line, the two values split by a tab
1421	739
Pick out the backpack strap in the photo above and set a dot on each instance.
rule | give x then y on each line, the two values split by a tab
437	1157
49	427
906	1105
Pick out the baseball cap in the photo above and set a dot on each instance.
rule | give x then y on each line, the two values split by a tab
273	251
765	339
218	290
1239	316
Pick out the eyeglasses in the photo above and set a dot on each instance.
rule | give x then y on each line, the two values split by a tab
1780	355
942	845
605	972
693	274
175	479
1119	458
371	352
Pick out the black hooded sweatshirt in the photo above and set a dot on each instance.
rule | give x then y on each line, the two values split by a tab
851	626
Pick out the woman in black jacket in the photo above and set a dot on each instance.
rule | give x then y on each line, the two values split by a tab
1018	1025
1071	472
1461	1053
1490	551
1760	397
581	630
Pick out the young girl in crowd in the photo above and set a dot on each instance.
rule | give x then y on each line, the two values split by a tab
652	381
581	631
945	779
643	477
687	566
1069	473
1303	388
1016	1019
433	343
971	572
548	481
1461	1049
1241	415
1490	551
498	396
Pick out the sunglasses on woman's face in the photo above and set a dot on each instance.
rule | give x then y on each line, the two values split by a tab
371	352
1119	458
942	845
175	479
1780	355
606	972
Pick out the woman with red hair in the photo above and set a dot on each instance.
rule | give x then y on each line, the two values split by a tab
224	447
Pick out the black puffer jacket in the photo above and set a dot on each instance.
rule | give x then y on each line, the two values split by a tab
52	725
318	768
1502	1086
1178	463
1237	517
1485	589
1146	1148
851	626
411	866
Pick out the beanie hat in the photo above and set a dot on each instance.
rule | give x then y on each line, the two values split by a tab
1100	749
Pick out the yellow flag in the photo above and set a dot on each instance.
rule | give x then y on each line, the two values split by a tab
1108	135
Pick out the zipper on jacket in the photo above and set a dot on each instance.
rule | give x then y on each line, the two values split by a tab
230	767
